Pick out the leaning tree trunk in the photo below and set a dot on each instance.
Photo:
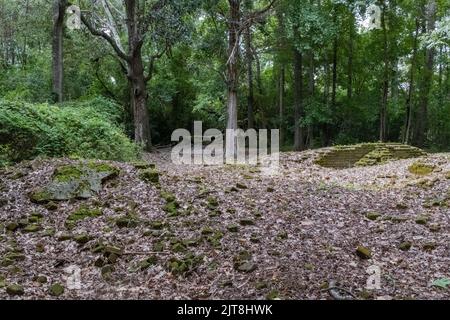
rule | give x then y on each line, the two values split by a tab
59	7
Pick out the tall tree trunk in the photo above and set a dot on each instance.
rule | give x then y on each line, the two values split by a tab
350	57
59	7
298	101
311	89
139	96
409	110
136	78
422	125
233	73
281	93
384	100
334	81
250	97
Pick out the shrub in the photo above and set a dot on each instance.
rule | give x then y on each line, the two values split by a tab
87	130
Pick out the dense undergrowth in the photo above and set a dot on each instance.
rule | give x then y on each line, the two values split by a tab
89	129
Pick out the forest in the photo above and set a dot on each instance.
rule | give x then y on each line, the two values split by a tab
92	207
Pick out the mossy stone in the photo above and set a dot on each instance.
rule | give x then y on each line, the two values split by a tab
147	263
171	209
106	271
429	246
178	247
75	181
126	222
422	220
51	206
41	279
405	246
272	295
83	212
32	228
261	285
241	186
434	227
112	258
247	267
233	228
6	262
168	196
363	252
81	238
64	237
15	290
247	222
16	256
40	248
149	176
113	249
12	226
157	225
401	206
56	290
373	216
100	262
140	165
212	202
158	247
421	169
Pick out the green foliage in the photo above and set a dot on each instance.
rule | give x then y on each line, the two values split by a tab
87	130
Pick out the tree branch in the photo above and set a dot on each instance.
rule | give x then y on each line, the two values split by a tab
105	36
